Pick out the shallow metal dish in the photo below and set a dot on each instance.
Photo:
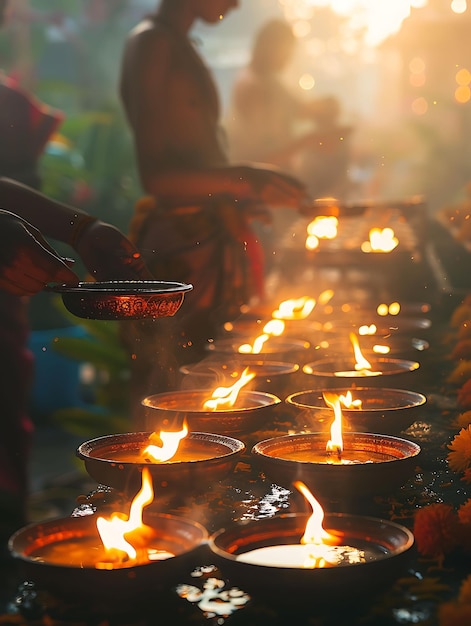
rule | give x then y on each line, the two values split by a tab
99	456
387	543
382	410
109	590
123	299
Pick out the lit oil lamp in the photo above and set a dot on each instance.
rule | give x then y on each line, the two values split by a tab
364	409
287	555
229	410
380	240
272	376
335	370
107	559
346	467
190	462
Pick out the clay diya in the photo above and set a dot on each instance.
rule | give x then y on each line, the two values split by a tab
200	459
249	412
365	409
312	557
369	464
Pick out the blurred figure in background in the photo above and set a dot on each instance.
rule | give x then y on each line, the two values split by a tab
270	123
194	225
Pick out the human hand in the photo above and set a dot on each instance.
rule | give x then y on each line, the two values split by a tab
27	261
109	255
272	187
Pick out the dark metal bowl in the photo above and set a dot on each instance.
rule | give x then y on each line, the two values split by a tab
382	410
276	457
99	456
251	410
387	543
115	590
276	348
123	300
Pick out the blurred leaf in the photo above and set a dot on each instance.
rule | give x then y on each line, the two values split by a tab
108	357
90	423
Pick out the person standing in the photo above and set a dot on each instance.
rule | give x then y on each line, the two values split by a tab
193	224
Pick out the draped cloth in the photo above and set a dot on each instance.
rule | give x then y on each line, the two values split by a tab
210	247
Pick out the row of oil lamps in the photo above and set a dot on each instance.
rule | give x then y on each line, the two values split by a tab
192	441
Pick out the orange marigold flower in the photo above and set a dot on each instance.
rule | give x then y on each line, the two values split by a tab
459	459
467	475
436	529
463	420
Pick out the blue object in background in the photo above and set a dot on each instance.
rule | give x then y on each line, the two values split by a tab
56	382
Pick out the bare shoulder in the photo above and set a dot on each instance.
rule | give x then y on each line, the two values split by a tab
146	40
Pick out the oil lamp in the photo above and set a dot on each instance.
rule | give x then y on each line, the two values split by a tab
290	554
229	410
345	467
364	409
111	560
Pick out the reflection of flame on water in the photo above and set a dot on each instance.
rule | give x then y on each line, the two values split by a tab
224	397
169	442
113	530
381	240
295	308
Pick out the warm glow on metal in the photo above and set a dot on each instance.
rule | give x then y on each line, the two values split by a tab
335	443
381	240
113	529
295	309
169	442
361	363
323	227
225	397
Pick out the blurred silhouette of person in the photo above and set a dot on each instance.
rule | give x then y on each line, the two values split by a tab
194	224
269	122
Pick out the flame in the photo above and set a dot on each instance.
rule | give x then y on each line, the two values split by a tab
273	328
381	349
112	530
315	537
322	227
366	329
392	309
381	240
295	308
325	297
335	443
348	401
227	396
170	442
361	363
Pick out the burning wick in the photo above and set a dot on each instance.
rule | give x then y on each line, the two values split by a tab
170	442
296	308
273	328
335	443
317	547
362	365
226	396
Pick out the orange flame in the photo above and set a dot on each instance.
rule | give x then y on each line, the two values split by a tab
113	530
226	396
335	443
273	328
361	363
388	309
381	240
348	401
170	441
295	308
